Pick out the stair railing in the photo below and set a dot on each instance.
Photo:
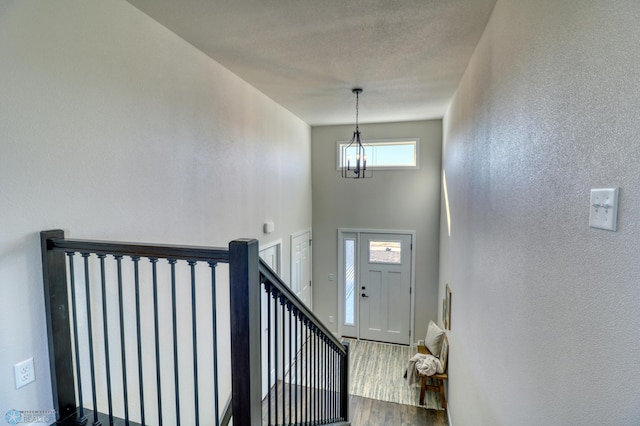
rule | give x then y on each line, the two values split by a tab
106	327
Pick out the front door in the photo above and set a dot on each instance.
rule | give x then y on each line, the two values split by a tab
378	296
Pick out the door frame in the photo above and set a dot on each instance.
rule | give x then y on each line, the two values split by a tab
271	244
291	261
341	305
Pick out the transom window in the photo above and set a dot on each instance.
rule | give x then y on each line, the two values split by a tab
384	154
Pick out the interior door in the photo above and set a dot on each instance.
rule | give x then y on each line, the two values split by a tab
385	287
301	266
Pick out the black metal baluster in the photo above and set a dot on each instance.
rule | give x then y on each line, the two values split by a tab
325	387
312	383
154	268
318	377
314	374
334	381
136	277
267	289
176	383
309	367
321	374
123	351
290	360
72	274
275	346
331	376
298	355
284	354
327	376
213	266
303	371
192	265
317	370
105	323
329	393
338	358
87	282
307	391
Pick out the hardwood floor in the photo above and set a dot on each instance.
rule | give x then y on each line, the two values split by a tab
371	412
362	411
376	378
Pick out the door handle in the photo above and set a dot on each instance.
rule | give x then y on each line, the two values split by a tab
364	295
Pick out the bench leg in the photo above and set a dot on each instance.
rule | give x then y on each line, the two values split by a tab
443	398
423	389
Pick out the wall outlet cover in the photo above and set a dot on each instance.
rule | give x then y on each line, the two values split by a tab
24	373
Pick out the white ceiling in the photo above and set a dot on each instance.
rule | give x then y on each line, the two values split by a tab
307	55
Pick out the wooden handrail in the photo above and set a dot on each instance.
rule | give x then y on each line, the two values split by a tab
177	252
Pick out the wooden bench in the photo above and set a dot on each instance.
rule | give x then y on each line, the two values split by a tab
437	378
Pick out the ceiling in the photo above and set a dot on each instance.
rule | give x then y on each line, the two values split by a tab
307	55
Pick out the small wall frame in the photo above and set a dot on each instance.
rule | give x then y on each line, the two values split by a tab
444	313
448	307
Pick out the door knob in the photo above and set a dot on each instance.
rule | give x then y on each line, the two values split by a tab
364	295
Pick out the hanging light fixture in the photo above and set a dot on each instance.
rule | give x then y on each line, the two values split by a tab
355	168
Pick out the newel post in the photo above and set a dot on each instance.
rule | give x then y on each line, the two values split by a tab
54	273
344	384
246	375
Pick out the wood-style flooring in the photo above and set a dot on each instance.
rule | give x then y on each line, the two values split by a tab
371	412
362	411
378	392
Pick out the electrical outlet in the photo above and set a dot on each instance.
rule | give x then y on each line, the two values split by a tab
24	373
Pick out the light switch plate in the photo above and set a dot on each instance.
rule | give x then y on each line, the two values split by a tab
603	213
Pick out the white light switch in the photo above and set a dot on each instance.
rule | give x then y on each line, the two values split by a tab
603	211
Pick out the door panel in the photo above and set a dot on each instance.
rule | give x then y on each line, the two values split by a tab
397	312
385	285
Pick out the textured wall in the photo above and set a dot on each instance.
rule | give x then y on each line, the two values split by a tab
546	312
111	127
392	199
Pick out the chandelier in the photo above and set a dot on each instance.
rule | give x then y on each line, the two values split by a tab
358	168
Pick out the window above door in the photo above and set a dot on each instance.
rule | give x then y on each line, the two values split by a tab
384	154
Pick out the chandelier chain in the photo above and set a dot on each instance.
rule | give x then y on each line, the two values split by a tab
357	108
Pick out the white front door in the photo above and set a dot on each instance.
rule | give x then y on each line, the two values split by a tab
376	286
385	287
301	266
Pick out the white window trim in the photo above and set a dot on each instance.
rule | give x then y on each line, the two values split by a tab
369	142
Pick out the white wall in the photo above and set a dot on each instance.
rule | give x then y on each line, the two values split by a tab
392	199
546	319
114	128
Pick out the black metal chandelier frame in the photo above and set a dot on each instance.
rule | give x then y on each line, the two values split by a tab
359	169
